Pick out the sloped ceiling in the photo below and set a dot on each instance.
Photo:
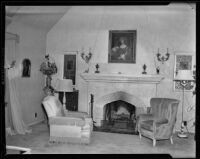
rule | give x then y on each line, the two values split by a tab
44	17
41	17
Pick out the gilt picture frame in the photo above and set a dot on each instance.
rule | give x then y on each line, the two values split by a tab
122	46
183	61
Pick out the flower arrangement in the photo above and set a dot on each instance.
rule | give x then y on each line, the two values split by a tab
48	68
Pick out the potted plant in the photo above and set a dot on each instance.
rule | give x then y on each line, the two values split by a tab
48	68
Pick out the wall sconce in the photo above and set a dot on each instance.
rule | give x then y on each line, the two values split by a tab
11	65
163	58
86	58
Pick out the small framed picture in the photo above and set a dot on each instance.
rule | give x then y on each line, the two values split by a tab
26	72
122	46
183	61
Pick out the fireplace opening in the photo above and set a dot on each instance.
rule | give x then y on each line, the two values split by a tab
119	117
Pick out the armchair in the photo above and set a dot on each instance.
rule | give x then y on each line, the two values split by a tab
66	126
159	123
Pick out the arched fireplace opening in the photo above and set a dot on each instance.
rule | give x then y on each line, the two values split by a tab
119	110
119	117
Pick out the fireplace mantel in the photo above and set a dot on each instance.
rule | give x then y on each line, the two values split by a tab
121	78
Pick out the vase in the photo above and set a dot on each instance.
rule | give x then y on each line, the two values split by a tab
48	81
157	70
48	89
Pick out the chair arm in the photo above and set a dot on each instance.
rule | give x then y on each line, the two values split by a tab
75	114
22	150
88	120
144	117
66	121
160	121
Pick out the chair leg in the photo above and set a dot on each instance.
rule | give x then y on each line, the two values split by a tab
154	142
140	135
171	139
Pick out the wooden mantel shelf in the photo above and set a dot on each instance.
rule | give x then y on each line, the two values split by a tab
121	78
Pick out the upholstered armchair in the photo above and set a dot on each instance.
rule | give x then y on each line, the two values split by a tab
159	123
66	126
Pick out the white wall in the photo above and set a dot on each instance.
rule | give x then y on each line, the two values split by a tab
32	45
161	27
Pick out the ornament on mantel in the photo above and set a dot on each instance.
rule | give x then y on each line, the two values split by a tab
97	67
144	69
158	70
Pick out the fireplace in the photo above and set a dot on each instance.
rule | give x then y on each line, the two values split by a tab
118	117
134	91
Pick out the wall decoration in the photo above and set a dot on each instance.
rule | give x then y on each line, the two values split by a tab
183	61
122	46
86	58
26	71
162	59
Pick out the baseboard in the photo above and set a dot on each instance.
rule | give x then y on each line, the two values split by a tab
36	122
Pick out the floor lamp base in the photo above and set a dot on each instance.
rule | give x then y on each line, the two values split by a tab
182	135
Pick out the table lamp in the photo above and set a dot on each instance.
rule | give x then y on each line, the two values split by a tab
64	85
184	77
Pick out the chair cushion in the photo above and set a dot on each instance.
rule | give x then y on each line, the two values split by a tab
148	125
66	121
161	121
75	114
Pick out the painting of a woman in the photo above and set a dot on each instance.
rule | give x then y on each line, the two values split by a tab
122	48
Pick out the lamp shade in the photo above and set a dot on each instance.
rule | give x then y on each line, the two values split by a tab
64	85
184	75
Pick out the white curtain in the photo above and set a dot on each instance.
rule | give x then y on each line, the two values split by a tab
12	76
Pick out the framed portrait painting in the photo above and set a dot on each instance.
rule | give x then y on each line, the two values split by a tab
183	61
122	46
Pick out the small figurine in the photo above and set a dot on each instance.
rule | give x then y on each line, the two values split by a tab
157	70
144	69
97	67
